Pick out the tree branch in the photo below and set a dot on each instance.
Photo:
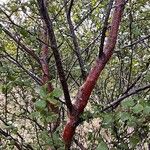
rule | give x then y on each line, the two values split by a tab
86	89
87	15
46	74
105	27
5	134
44	58
84	50
115	103
24	48
138	41
31	74
74	39
44	13
16	142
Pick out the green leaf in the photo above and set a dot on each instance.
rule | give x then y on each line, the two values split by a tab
52	97
132	121
123	146
51	117
4	89
128	103
42	91
19	82
34	114
14	130
90	136
146	110
24	32
102	146
124	116
9	127
137	108
7	88
107	120
56	92
14	7
2	48
40	104
134	140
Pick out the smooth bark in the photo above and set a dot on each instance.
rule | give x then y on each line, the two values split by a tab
86	89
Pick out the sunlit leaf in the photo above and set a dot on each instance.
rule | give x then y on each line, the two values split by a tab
40	104
102	146
137	108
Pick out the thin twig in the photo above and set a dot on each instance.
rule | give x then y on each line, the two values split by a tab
137	42
115	103
74	39
23	46
31	74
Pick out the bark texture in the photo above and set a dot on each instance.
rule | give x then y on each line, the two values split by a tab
85	90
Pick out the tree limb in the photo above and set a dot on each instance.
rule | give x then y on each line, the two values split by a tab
74	39
44	13
23	46
18	64
138	41
85	90
87	15
105	27
115	103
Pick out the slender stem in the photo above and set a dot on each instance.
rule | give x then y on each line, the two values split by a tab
44	13
23	46
74	39
115	103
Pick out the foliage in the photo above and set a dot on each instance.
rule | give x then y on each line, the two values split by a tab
25	118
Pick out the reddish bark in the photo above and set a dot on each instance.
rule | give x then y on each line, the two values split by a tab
86	89
45	67
53	43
